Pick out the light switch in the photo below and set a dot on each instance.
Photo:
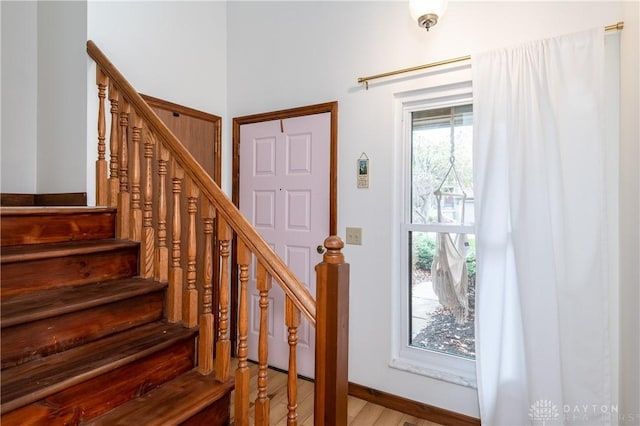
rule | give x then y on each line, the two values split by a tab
354	236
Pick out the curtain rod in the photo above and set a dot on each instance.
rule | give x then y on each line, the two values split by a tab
613	27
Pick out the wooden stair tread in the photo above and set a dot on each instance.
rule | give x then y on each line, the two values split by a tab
61	210
40	378
172	403
46	304
23	253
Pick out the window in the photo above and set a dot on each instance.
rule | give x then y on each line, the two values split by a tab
441	245
437	241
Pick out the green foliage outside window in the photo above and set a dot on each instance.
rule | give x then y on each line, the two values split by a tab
425	247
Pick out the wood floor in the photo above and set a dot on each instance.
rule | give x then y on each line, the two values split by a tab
361	413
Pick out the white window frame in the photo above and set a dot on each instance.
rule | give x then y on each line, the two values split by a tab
405	357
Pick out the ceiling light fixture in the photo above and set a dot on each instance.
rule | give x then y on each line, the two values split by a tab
427	12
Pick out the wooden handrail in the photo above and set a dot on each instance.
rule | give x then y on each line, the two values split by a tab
299	295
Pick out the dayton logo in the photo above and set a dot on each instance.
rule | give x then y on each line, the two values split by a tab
544	411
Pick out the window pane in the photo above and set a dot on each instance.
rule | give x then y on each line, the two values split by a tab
439	138
434	326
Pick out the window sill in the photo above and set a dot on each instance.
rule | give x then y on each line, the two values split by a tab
439	372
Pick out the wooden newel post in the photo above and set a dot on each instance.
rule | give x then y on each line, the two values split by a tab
332	336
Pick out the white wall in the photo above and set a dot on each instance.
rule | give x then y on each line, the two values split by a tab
18	144
286	54
62	112
173	50
44	98
170	49
628	215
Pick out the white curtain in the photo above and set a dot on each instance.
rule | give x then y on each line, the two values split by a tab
542	298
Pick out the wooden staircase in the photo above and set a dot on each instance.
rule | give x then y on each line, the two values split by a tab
83	338
130	313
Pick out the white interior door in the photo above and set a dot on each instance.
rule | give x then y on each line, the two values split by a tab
284	193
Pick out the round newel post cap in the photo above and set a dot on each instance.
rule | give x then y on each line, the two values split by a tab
334	245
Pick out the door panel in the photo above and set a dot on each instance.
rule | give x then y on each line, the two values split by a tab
284	192
200	133
197	130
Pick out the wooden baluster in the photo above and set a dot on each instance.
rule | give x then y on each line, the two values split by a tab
190	302
136	207
205	341
174	298
241	401
262	400
147	247
124	198
162	252
114	141
223	344
102	188
292	318
332	336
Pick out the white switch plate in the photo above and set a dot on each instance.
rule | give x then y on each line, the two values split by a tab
354	236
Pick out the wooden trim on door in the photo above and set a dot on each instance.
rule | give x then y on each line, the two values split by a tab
410	407
161	103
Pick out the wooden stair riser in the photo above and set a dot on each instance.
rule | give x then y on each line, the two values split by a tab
18	229
37	275
25	342
191	399
215	414
96	396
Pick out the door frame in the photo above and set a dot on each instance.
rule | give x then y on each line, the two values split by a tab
330	107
